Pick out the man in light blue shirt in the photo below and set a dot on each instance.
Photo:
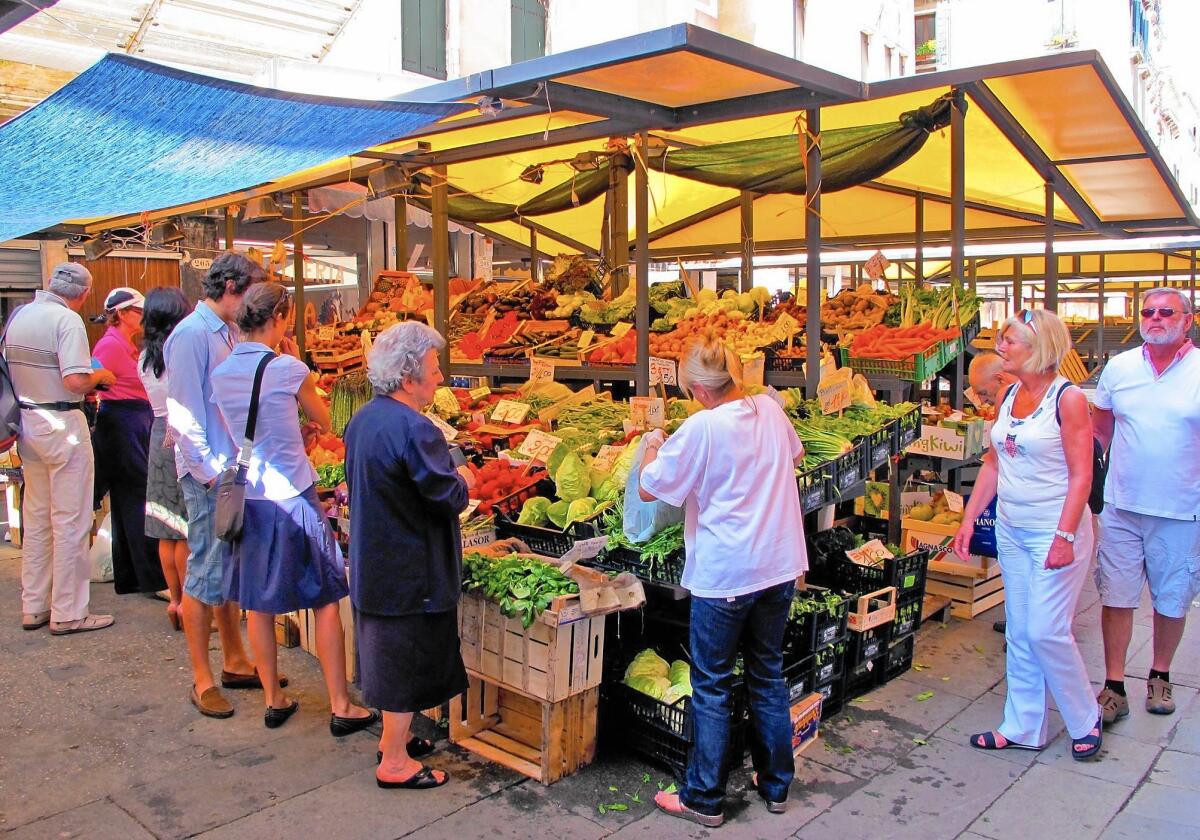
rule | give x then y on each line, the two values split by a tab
199	343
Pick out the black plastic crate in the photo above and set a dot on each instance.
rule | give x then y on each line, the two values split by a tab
863	677
908	617
622	559
773	361
799	678
550	542
816	487
816	629
898	658
829	663
879	447
868	645
832	698
851	469
908	429
906	573
970	330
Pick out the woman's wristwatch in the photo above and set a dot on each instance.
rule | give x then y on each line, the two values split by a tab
1066	535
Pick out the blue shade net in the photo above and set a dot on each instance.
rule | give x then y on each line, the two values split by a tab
127	135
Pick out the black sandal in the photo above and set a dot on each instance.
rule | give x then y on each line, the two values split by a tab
423	779
417	747
989	743
1092	742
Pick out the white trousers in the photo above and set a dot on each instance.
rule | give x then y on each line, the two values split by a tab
58	468
1039	605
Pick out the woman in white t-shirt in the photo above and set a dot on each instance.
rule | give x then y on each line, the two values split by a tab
732	467
1039	469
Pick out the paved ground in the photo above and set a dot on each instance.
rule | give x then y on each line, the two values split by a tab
99	742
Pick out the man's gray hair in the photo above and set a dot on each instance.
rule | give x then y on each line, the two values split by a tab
398	354
1185	302
70	281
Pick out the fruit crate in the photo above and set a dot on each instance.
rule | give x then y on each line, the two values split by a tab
828	664
906	573
970	330
899	658
916	368
872	609
851	469
816	487
832	698
907	429
879	447
550	542
950	351
624	559
815	629
774	362
908	616
864	676
868	645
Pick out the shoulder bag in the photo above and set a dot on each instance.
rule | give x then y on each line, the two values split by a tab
231	485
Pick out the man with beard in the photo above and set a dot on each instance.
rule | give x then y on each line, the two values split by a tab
1148	409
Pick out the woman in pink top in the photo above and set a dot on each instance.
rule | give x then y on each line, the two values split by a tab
121	441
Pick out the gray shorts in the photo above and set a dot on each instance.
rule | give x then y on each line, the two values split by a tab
1136	549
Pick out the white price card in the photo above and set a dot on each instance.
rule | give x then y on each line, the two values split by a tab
510	411
786	326
870	553
586	338
647	412
620	328
448	431
876	265
326	333
466	514
606	457
583	550
953	501
480	392
540	370
538	445
754	369
834	391
662	370
445	401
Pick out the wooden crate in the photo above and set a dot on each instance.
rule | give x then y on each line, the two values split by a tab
969	595
543	661
872	609
307	623
540	739
337	362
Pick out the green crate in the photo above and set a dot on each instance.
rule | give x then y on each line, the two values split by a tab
916	368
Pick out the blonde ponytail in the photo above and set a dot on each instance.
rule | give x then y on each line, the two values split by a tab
710	362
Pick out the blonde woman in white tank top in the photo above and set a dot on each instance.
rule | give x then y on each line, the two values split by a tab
1039	468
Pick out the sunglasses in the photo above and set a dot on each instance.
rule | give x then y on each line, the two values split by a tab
1163	312
1026	316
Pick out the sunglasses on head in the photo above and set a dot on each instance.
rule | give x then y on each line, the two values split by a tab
1163	312
1026	316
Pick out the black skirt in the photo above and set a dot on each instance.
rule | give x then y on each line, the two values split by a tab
409	663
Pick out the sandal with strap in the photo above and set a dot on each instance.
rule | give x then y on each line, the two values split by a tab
417	747
423	779
987	741
1091	742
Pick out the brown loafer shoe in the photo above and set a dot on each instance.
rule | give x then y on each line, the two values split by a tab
1158	697
1113	706
212	703
35	621
232	680
82	625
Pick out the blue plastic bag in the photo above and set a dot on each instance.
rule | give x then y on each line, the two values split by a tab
983	541
645	519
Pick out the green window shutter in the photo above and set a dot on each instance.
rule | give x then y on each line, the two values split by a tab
410	35
528	29
423	37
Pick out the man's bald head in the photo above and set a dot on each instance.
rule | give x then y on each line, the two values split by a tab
987	377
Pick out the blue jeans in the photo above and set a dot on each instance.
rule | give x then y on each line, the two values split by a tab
719	626
206	554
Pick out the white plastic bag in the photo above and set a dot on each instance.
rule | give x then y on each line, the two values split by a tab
645	519
101	552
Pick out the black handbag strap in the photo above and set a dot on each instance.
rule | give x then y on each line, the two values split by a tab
252	418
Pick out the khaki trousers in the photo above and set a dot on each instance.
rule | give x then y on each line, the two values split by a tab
56	459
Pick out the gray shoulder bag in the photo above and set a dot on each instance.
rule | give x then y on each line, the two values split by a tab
231	485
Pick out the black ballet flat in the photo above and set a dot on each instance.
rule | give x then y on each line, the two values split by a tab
275	718
340	727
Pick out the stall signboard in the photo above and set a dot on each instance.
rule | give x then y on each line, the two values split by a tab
959	440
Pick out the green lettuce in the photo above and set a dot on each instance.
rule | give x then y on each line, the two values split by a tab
533	512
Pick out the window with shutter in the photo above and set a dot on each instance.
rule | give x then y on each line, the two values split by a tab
423	37
528	29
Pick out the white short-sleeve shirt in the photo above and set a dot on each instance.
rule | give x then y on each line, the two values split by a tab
1154	467
279	468
45	342
731	468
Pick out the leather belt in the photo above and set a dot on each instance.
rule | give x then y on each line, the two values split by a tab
52	406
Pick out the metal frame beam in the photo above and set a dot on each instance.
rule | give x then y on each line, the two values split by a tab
812	247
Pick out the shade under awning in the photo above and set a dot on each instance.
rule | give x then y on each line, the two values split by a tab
128	136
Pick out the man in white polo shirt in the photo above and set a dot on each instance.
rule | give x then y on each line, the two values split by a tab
46	348
1148	408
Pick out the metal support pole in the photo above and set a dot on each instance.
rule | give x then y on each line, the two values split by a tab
298	267
400	231
1100	323
1137	301
642	307
441	260
973	275
747	208
812	248
1051	290
1192	281
1018	291
919	227
230	227
533	256
619	229
958	207
1166	269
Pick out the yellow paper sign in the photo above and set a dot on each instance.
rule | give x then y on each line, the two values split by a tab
586	338
509	411
538	445
870	554
366	341
445	401
786	326
326	333
480	392
540	370
606	457
648	412
620	328
834	391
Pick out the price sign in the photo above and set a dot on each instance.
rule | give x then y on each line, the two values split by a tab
479	393
448	431
583	550
586	338
620	328
662	370
870	554
753	369
647	412
508	411
326	333
466	514
540	370
786	326
445	401
834	391
953	501
366	341
876	265
538	445
606	457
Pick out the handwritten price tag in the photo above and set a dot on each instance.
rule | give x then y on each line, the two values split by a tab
753	369
870	554
606	457
508	411
586	338
326	333
429	317
583	550
480	393
834	391
876	265
786	326
540	370
466	514
953	501
620	328
662	370
647	412
445	401
448	431
366	341
538	445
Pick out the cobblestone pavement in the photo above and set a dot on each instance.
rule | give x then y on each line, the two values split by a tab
100	742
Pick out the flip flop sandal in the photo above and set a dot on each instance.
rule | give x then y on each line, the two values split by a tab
1092	742
989	743
686	813
417	747
772	806
423	779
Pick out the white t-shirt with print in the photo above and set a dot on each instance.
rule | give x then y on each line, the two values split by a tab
731	467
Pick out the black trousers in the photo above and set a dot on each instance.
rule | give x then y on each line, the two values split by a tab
121	441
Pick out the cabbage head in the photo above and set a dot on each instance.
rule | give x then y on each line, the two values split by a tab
572	480
647	664
676	693
580	509
652	686
557	513
533	512
681	672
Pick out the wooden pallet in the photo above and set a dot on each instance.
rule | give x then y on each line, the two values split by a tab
543	661
542	740
969	595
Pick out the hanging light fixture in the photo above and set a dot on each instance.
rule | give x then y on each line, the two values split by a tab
533	174
586	161
165	234
96	247
261	209
389	180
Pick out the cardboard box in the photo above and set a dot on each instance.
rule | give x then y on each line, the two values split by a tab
806	721
918	535
960	440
